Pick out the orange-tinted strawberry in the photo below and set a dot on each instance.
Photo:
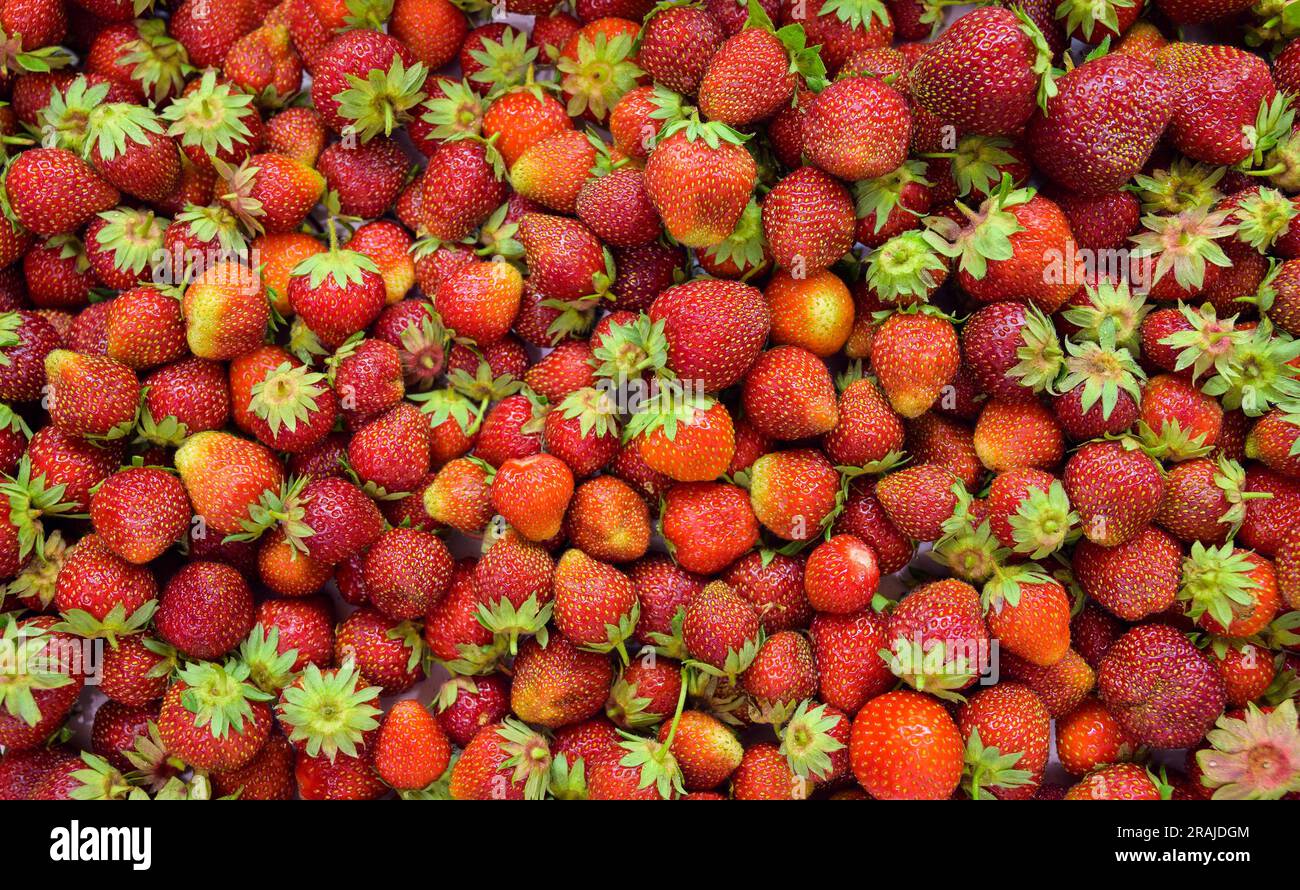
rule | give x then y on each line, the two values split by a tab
270	191
225	311
224	721
225	476
706	750
559	684
700	189
533	493
915	356
480	301
793	492
1033	621
905	746
411	750
553	170
608	520
788	394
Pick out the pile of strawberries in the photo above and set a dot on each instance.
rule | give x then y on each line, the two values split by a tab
598	361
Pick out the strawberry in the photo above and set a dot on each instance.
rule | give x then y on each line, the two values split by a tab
466	705
1247	669
133	673
1229	591
1132	580
719	176
849	669
379	103
1241	745
386	651
706	751
225	311
126	145
645	693
480	301
91	395
262	62
918	500
1031	619
406	571
43	688
915	356
1120	781
1100	128
1006	730
1272	440
73	462
663	589
857	128
808	220
411	750
459	496
985	73
904	746
504	761
774	583
788	394
514	582
282	403
553	170
865	519
145	329
1162	690
559	684
139	512
25	340
793	493
676	45
608	520
754	72
268	776
459	190
937	637
366	177
721	630
868	429
1010	436
336	294
548	483
213	718
708	525
205	610
52	191
1268	520
814	312
595	604
1089	737
100	594
392	452
694	317
304	625
598	63
343	778
782	675
1115	491
764	774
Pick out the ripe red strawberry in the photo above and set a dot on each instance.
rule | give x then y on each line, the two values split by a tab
386	651
706	751
514	581
695	316
367	177
1089	737
1004	723
1036	625
1116	491
205	610
53	191
1135	579
868	429
865	519
100	594
26	340
663	589
794	492
225	476
788	394
1162	690
904	746
774	583
1120	781
411	750
559	684
343	778
269	191
808	221
857	128
595	604
1269	520
127	146
700	182
708	525
460	189
1102	125
915	356
618	209
782	675
721	629
144	328
139	512
533	493
393	451
343	519
753	73
213	718
764	774
406	571
485	770
1218	92
337	294
937	639
375	106
480	300
467	704
268	776
918	500
91	395
676	45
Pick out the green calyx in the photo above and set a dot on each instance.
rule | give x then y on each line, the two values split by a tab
284	509
746	246
287	396
1184	185
977	163
1259	372
593	409
856	13
15	60
1272	126
35	583
214	223
528	757
807	743
63	122
1043	522
100	780
211	116
30	500
568	779
627	708
235	187
631	349
1230	478
669	406
1263	217
110	126
168	432
10	324
931	669
269	669
368	14
483	386
509	623
1215	581
382	100
442	405
158	62
902	270
1103	370
986	236
678	117
455	114
881	196
1256	757
1089	16
113	625
1171	442
1211	343
987	767
326	710
1039	353
600	74
505	63
344	266
219	695
1182	244
134	237
26	665
1112	311
1043	69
